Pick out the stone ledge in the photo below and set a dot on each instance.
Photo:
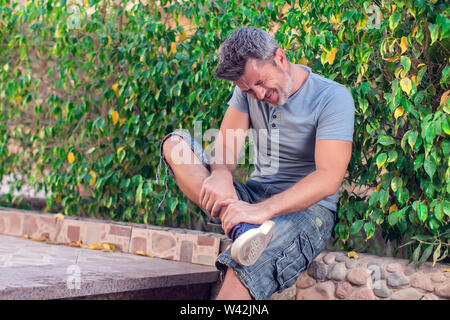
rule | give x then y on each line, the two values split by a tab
35	270
335	276
168	243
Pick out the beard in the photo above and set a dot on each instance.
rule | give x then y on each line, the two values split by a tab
285	91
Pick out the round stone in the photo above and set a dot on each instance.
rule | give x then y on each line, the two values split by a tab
337	272
396	280
438	277
329	258
406	294
343	289
362	294
380	290
443	290
394	267
358	276
317	270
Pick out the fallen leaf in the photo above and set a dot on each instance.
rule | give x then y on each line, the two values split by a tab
140	253
352	255
150	255
25	236
41	239
75	244
446	270
59	216
94	246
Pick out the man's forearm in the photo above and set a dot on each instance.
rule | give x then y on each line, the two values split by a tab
308	191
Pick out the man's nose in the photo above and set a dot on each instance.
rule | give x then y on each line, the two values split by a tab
260	93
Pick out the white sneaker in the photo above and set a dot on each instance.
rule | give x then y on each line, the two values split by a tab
249	246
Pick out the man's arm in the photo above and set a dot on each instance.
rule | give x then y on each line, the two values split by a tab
331	158
224	159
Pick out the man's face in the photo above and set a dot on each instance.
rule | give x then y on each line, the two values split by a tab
266	82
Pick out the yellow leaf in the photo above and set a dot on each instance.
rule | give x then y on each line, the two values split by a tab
446	270
25	236
414	31
173	48
406	85
94	246
392	59
398	112
393	208
75	244
361	23
114	117
122	121
182	36
115	87
150	255
444	98
83	246
86	2
404	44
41	239
414	79
307	29
378	188
59	216
140	253
108	43
126	166
352	255
19	99
70	157
331	55
93	177
194	65
303	60
107	247
120	149
59	198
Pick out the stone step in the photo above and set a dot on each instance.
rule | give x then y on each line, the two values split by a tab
36	270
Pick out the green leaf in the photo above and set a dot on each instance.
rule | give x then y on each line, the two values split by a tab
381	159
402	195
426	254
139	193
434	32
430	166
385	140
396	183
394	20
422	212
392	156
356	226
405	62
369	229
419	161
416	255
436	254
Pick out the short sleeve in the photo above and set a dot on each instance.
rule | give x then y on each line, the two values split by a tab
239	100
336	118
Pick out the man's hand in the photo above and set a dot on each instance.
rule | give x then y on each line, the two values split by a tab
217	187
238	211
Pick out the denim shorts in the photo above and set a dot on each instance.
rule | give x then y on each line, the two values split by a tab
297	239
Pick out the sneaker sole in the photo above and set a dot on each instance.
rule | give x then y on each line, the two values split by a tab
251	244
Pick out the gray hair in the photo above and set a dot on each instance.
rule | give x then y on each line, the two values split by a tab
241	45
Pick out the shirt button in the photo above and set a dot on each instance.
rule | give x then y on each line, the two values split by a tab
274	116
273	125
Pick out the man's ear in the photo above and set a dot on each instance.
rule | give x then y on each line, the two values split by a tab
280	59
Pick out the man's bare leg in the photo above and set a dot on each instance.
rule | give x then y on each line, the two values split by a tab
189	178
232	288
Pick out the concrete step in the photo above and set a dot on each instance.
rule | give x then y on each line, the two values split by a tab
35	270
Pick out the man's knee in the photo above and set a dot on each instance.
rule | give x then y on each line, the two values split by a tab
169	145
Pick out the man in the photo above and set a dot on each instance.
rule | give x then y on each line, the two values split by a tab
284	215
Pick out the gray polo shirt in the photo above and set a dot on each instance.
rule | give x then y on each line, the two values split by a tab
284	137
